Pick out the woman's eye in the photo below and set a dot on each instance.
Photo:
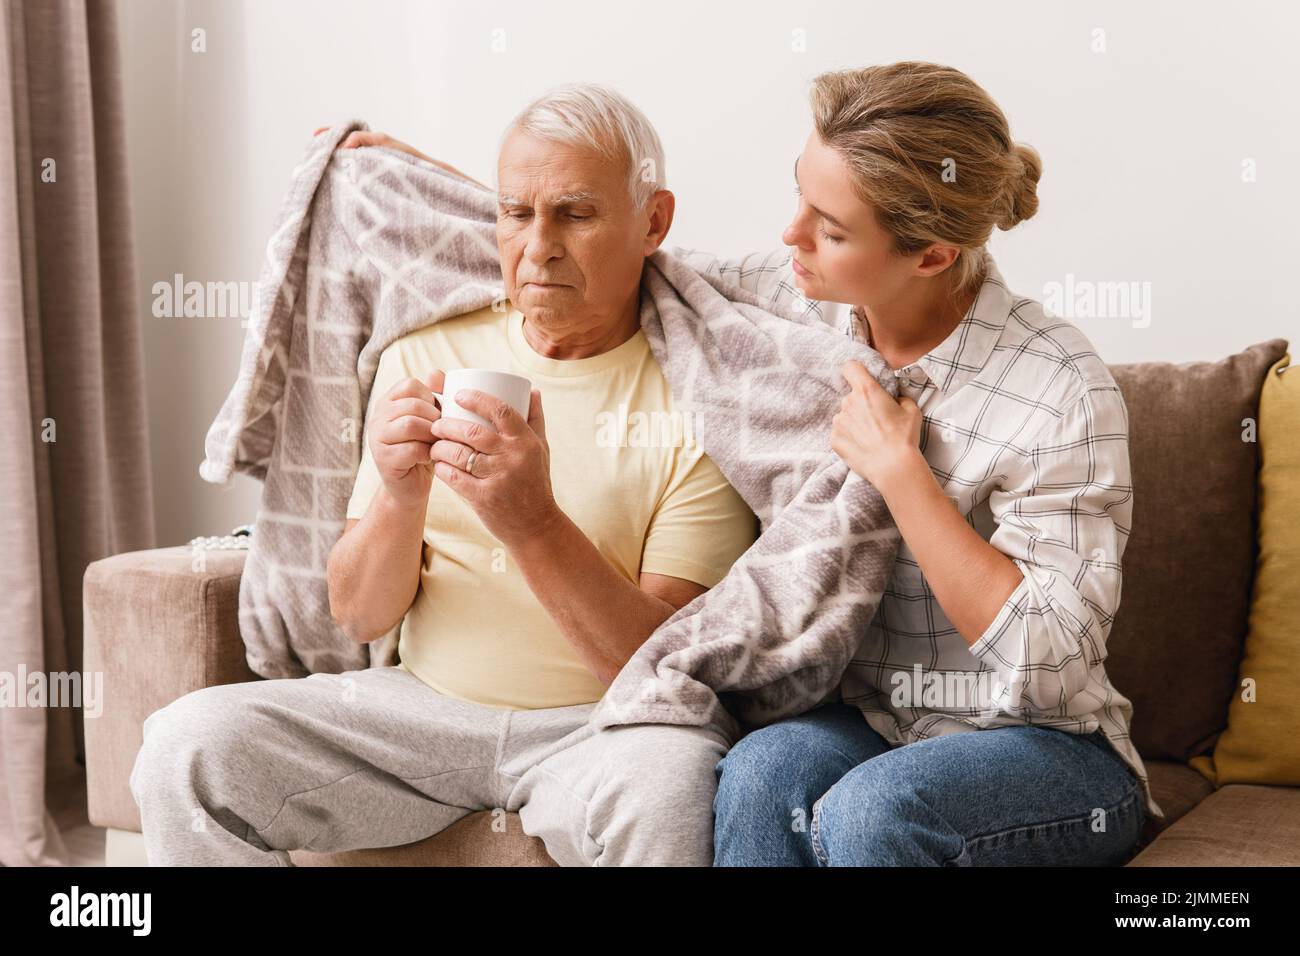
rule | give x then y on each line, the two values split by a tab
826	235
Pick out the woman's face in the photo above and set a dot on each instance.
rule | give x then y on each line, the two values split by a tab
841	253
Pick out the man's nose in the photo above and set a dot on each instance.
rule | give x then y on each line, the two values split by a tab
543	243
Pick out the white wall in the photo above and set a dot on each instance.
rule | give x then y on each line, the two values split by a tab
1143	146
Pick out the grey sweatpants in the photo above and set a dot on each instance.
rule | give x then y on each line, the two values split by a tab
239	774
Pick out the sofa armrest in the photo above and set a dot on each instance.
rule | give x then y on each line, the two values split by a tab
158	625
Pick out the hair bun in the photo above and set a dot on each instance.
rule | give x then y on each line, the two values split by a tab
1021	194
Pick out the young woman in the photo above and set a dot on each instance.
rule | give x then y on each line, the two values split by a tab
977	725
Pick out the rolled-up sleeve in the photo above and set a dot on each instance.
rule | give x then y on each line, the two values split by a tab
1063	517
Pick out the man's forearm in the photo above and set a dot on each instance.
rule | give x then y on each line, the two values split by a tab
374	570
603	615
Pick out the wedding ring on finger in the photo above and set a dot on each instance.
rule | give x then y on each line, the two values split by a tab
469	462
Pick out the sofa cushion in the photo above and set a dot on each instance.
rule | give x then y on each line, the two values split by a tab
1176	643
1260	744
1177	788
1238	825
470	841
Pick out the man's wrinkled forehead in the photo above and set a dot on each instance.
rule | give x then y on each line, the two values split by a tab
555	174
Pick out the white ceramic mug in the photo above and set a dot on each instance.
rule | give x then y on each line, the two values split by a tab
515	390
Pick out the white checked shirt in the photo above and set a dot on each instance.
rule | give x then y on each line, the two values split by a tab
1027	434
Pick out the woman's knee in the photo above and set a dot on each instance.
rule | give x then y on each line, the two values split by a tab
905	812
753	774
874	816
784	767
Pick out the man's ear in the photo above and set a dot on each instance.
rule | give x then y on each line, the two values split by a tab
660	208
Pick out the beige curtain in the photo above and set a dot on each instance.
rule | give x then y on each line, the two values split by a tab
74	456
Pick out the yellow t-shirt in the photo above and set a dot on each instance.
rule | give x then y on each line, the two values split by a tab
626	470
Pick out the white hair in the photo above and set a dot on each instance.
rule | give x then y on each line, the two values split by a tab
586	114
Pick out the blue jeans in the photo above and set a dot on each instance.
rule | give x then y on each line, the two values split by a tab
824	789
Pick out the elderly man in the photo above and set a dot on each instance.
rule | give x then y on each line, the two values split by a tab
522	579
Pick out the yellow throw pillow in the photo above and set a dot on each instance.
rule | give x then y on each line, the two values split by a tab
1261	744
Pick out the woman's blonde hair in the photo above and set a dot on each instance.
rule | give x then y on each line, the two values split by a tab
930	151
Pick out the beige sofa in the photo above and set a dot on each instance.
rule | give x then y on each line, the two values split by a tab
158	629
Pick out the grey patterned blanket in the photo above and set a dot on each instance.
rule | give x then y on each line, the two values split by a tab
372	244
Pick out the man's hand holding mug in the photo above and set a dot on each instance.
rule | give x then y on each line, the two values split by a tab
401	439
490	448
